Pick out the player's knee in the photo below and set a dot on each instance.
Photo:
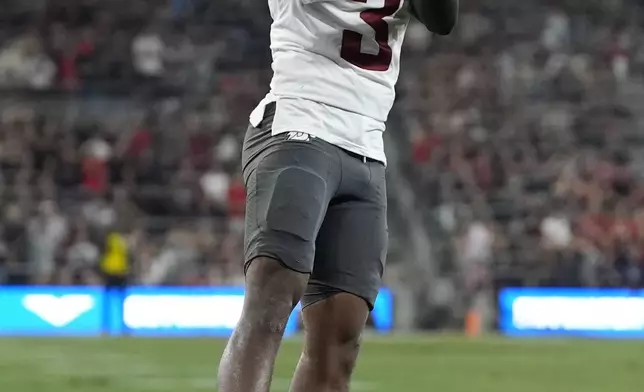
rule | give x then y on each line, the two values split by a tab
334	354
334	329
347	348
333	362
272	291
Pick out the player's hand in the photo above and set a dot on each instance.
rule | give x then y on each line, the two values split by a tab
439	16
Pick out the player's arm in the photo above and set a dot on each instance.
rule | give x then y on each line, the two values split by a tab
439	16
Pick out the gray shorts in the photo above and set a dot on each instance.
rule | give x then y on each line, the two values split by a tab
316	208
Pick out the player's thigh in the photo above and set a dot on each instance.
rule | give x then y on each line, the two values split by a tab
351	247
288	187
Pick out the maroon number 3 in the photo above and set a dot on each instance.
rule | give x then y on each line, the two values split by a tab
351	49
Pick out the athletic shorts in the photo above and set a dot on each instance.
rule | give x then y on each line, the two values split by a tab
316	208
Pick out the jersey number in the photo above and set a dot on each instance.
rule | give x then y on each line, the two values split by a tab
351	49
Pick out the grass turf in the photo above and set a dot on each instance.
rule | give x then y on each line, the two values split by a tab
387	364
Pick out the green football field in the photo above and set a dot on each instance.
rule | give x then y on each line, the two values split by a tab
387	364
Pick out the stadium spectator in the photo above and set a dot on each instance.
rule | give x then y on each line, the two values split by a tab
82	257
148	51
47	231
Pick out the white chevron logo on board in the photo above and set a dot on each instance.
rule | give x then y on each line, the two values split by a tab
58	311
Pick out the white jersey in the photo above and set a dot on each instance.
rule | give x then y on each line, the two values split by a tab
335	63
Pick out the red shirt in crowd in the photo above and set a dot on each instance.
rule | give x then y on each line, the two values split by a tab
601	228
200	150
68	65
95	175
68	72
140	143
424	146
236	198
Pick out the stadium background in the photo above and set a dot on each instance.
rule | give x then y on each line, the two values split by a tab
515	162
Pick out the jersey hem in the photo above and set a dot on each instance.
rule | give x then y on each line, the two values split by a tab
257	115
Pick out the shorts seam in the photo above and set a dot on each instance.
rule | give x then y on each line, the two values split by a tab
256	196
340	163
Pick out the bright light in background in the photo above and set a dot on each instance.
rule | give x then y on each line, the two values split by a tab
583	312
144	311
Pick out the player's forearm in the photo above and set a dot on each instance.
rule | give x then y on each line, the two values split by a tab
439	16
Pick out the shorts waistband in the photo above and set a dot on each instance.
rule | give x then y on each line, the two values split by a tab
363	158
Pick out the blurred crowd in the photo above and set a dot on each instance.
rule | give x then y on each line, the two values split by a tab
529	156
120	133
121	125
176	201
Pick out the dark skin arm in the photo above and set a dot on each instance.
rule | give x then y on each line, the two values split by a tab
439	16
